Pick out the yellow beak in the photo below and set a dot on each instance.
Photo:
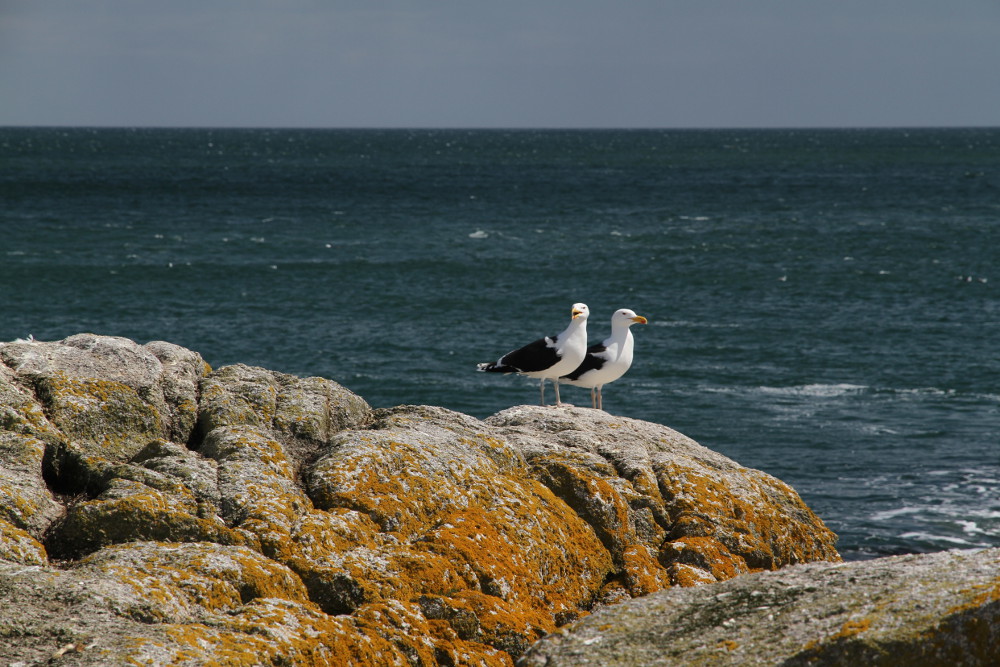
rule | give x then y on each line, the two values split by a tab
639	319
577	313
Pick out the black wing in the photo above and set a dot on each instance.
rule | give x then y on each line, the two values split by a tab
590	362
536	356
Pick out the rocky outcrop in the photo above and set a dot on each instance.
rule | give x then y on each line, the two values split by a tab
668	511
928	610
153	511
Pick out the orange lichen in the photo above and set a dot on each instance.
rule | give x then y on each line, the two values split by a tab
704	553
144	514
749	523
852	628
980	595
19	546
277	633
643	574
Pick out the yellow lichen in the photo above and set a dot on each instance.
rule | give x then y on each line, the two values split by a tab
852	628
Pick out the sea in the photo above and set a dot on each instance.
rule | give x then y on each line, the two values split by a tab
823	305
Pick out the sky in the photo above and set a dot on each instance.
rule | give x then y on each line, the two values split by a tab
509	64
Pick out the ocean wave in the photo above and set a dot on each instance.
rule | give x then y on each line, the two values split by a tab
920	536
956	513
921	392
694	325
839	389
816	390
887	515
803	390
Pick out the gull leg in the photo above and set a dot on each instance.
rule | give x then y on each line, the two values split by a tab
600	398
542	385
559	403
593	398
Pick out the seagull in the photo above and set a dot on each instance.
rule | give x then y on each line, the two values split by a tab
549	357
607	361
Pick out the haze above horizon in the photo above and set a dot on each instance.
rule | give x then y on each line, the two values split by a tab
593	65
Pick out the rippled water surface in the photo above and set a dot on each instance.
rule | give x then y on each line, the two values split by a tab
823	305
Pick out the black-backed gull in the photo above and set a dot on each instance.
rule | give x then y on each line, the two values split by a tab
607	361
549	357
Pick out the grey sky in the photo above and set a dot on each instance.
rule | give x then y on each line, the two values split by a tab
541	63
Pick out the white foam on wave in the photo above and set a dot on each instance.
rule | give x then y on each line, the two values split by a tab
478	234
828	390
936	392
694	325
885	515
815	390
878	429
931	537
924	391
970	528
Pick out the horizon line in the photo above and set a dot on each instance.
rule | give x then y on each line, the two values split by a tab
500	128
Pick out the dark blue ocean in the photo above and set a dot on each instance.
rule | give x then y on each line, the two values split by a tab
824	305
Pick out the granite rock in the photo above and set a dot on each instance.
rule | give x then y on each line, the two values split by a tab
157	512
911	611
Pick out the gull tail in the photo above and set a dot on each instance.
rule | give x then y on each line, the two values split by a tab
495	368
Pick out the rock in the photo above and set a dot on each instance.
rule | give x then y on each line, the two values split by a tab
934	609
303	413
244	516
19	546
108	397
458	522
188	605
669	511
27	505
182	371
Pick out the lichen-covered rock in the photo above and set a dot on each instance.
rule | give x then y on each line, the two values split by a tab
192	605
19	546
202	578
459	521
130	510
25	499
27	505
245	516
20	412
99	389
182	371
107	397
301	412
668	510
912	611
